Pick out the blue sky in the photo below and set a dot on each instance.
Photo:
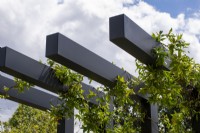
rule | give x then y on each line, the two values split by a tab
24	26
175	7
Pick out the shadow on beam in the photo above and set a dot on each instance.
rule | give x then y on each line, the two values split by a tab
38	99
30	70
69	53
130	37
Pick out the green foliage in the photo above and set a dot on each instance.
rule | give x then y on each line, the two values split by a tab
20	85
172	82
73	97
29	120
126	113
5	95
176	90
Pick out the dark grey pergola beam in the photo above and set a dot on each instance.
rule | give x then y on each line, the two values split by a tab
32	97
30	70
127	35
35	98
130	37
69	53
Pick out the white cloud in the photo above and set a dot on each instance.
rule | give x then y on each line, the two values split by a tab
25	24
193	26
7	108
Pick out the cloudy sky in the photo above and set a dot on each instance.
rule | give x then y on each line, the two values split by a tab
25	24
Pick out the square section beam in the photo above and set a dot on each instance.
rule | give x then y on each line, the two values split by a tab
32	97
69	53
127	35
35	98
30	70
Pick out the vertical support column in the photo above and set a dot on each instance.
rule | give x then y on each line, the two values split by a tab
196	124
150	124
111	110
196	117
65	126
130	37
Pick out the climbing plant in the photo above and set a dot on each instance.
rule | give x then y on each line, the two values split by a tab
172	82
126	112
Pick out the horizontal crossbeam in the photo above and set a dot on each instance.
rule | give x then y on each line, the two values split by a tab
35	98
69	53
30	70
32	97
127	35
130	37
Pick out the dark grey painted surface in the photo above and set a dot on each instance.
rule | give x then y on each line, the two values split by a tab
21	66
84	62
130	37
69	53
150	124
32	97
30	70
154	118
66	126
133	39
35	98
